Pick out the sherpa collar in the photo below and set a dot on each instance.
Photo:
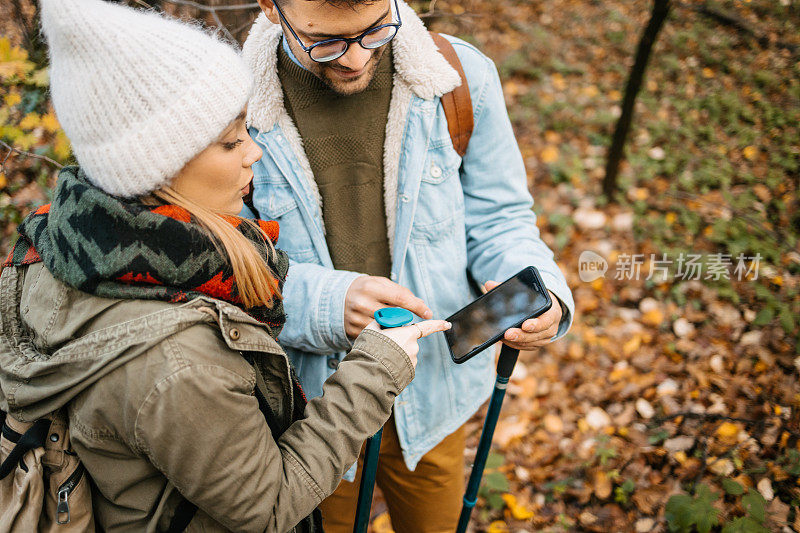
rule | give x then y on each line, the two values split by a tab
417	61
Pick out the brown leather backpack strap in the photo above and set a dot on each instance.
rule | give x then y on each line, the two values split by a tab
457	103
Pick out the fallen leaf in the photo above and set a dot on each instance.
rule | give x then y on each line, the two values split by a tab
549	154
518	511
602	485
382	524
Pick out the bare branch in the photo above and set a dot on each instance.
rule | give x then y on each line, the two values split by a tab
23	153
222	26
213	9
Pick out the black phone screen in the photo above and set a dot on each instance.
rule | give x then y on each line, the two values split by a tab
484	321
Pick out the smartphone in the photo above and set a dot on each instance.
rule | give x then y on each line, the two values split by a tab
484	321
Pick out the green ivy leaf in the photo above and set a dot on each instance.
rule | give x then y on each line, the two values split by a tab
494	460
704	514
657	438
764	316
678	513
497	482
754	504
495	501
732	487
787	319
744	524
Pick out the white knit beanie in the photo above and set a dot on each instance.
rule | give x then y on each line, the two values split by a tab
138	94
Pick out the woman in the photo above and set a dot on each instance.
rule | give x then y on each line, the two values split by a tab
139	301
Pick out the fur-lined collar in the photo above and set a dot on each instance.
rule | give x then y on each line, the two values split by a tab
417	62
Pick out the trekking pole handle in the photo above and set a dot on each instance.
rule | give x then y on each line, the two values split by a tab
506	361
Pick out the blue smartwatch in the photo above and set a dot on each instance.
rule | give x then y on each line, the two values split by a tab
393	317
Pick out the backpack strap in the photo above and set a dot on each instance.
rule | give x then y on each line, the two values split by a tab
184	513
33	438
457	103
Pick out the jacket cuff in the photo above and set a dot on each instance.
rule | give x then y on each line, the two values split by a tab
330	323
389	354
564	299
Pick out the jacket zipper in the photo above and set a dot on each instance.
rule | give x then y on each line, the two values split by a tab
65	490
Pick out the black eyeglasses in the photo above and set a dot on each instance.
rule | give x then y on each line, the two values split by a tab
331	49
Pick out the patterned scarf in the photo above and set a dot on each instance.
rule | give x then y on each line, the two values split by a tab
117	248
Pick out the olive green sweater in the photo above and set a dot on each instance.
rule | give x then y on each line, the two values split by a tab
343	138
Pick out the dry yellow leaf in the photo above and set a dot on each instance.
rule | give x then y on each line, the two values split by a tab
670	218
652	86
30	121
727	432
602	485
597	284
750	152
552	137
553	423
3	180
457	9
498	526
549	154
519	512
708	73
653	317
591	91
631	346
382	524
61	146
12	98
615	95
50	122
558	81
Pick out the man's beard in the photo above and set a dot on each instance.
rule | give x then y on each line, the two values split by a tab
356	86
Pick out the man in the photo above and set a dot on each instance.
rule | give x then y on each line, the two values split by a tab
377	209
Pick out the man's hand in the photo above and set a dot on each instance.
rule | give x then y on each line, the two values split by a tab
535	332
367	294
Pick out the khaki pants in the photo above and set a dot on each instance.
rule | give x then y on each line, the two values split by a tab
427	500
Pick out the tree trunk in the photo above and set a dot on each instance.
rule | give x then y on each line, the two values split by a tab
615	153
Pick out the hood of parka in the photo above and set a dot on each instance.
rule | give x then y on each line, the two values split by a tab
56	341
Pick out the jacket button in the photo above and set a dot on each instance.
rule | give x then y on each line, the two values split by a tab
333	363
436	172
234	334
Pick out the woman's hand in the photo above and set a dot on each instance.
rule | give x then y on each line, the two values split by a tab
407	336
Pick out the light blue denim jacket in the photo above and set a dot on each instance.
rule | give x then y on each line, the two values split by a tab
445	216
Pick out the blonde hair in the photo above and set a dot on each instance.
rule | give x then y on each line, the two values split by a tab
256	283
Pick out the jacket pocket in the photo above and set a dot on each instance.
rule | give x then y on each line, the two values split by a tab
274	200
440	194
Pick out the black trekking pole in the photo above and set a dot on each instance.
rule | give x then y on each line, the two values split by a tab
388	317
505	365
368	472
